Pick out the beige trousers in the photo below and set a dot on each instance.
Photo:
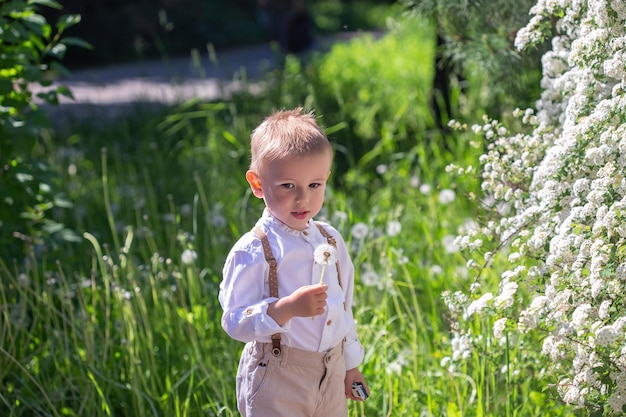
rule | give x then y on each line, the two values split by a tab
297	383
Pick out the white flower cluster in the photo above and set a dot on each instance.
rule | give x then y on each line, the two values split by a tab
560	191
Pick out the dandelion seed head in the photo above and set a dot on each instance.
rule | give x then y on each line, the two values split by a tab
188	257
325	254
436	269
449	243
359	231
370	278
446	196
394	228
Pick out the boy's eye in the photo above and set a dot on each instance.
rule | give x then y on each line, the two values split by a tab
288	185
315	185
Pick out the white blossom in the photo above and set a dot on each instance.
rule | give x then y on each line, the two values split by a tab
498	327
479	304
560	192
505	298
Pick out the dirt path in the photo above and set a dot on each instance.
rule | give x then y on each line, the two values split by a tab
111	91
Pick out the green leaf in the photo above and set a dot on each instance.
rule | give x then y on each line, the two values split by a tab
36	20
64	91
53	227
336	128
62	202
23	177
6	86
10	7
59	68
73	41
69	235
58	51
231	138
67	21
48	3
452	410
49	97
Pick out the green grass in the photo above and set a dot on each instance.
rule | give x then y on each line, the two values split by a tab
118	325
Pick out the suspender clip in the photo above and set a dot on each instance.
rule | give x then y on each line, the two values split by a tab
276	349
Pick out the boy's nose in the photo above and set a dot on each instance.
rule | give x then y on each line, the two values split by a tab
301	195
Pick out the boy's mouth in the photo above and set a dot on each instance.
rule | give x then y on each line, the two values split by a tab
299	214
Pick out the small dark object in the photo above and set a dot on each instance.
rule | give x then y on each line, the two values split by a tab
359	391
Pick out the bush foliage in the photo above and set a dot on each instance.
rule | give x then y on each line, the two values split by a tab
31	49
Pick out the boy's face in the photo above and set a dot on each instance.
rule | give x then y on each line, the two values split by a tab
293	189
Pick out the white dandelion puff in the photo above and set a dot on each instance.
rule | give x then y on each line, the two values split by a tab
370	278
324	254
189	256
394	228
360	231
446	196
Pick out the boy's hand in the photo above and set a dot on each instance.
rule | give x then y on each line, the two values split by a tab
352	376
309	300
306	301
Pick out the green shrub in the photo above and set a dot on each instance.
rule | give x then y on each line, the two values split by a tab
30	48
379	88
372	93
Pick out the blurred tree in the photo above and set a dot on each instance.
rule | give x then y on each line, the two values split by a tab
475	47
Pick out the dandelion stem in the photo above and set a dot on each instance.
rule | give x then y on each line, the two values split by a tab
322	276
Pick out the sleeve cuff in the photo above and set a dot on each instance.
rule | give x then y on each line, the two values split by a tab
261	309
353	353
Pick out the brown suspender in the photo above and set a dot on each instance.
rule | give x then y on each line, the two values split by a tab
273	279
273	274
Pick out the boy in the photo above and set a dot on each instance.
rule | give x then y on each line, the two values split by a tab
302	352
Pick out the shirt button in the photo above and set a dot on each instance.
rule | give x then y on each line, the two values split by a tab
305	233
249	311
329	322
327	358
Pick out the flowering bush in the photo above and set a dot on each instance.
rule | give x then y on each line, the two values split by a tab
560	194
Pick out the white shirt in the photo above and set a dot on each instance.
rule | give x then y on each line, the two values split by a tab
245	295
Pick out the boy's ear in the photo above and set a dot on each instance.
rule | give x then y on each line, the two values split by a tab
255	183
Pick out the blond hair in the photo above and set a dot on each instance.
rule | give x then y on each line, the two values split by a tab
286	134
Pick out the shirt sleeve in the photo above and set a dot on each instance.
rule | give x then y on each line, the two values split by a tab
353	350
244	298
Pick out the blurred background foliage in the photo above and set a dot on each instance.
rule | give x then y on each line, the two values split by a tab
123	31
378	95
475	50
